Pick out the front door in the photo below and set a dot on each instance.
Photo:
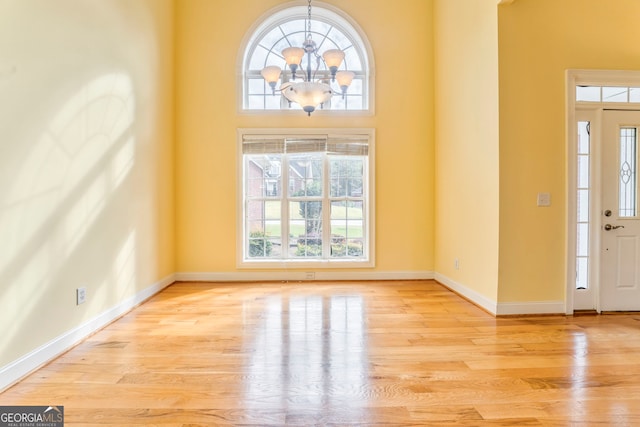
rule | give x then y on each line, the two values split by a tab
620	220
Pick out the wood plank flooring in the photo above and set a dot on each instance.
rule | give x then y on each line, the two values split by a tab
341	354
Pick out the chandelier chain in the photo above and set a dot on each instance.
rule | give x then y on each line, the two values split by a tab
309	19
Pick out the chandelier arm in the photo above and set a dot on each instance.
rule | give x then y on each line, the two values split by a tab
315	73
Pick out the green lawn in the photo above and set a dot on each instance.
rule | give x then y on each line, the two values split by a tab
272	211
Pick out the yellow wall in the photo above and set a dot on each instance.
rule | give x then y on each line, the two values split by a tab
86	170
470	126
466	115
209	37
538	41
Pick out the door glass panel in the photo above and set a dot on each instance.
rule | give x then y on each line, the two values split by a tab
583	206
628	166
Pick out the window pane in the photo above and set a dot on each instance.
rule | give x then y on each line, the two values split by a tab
584	138
272	43
263	246
614	94
264	176
352	60
256	102
338	40
297	26
306	228
634	94
582	273
588	93
319	29
346	229
583	171
258	87
272	216
338	102
356	87
259	59
354	103
346	176
264	225
305	174
583	205
628	180
583	240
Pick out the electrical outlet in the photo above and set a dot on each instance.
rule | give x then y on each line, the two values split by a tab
81	296
309	275
456	264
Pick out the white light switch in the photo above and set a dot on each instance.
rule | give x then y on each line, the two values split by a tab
544	199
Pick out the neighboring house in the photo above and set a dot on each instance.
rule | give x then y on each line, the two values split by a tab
265	178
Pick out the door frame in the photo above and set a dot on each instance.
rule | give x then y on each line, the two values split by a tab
573	78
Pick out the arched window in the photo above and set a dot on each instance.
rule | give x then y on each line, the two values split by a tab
288	26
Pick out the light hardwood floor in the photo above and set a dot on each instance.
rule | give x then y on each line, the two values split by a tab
340	354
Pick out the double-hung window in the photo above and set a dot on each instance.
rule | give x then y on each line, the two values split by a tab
306	198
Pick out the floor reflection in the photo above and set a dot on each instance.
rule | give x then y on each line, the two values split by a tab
308	357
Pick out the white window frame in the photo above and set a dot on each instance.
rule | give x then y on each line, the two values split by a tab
367	261
298	10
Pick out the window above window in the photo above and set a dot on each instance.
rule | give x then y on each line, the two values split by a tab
289	26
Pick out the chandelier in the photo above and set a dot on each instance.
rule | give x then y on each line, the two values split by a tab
310	87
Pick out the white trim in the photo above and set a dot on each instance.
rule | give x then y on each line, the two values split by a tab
468	293
501	308
299	276
571	152
604	78
18	369
530	307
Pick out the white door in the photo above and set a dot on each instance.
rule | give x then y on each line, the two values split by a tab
620	222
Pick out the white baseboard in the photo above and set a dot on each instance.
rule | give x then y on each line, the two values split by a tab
20	368
532	307
299	276
502	308
473	296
